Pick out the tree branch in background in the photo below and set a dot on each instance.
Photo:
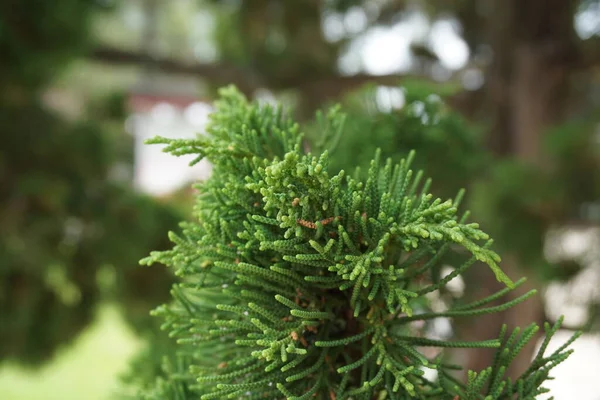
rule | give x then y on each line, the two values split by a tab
217	73
333	86
326	87
389	12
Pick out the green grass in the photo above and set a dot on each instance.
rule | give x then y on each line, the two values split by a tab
87	370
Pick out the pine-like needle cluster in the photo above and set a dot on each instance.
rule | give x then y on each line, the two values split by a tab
297	284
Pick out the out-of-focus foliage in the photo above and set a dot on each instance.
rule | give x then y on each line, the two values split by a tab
281	39
517	191
151	369
68	214
519	203
38	38
63	219
392	119
49	283
574	148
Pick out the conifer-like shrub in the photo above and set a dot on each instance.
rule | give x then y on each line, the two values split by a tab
296	284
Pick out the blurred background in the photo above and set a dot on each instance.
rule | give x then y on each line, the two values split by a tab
501	97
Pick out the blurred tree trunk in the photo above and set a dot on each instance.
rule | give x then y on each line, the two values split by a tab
527	85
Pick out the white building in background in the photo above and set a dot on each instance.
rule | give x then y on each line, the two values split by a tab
155	172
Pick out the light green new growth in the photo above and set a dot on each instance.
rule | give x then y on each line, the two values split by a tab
301	285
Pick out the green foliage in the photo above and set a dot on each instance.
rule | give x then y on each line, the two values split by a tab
574	151
528	385
521	193
64	220
516	203
512	194
37	38
280	42
425	122
299	284
66	223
